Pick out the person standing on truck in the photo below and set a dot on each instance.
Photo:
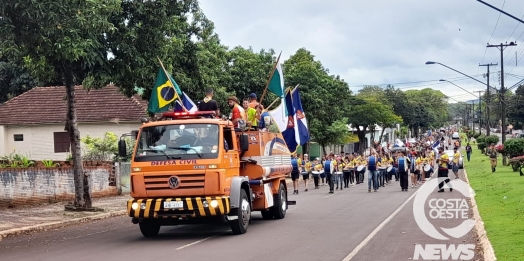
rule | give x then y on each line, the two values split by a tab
208	103
252	115
264	120
253	100
295	173
238	114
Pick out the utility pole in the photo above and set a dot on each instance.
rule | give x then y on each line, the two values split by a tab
480	113
501	47
488	98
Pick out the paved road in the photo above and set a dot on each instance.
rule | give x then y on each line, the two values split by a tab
321	226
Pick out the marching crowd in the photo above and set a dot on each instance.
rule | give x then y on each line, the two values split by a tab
412	163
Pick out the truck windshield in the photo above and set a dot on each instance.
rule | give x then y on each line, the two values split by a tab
178	141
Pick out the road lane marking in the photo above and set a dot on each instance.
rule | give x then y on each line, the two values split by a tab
328	196
374	232
289	209
198	241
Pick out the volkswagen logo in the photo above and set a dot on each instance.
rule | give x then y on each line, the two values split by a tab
173	182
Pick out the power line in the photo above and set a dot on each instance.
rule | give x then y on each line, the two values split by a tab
403	83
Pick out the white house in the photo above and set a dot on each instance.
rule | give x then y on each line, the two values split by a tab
33	122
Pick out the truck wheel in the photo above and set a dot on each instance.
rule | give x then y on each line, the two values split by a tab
267	214
149	228
280	199
239	225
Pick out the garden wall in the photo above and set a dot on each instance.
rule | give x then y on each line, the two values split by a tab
25	186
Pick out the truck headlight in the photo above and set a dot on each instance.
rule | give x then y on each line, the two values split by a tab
134	206
142	205
213	203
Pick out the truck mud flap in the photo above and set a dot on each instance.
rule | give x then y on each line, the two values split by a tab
291	202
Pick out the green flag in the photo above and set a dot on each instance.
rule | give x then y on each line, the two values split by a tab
163	92
276	84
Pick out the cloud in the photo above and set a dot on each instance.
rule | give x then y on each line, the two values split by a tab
380	41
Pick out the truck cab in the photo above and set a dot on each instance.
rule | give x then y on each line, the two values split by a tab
191	168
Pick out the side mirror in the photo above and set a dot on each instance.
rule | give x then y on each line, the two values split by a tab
244	142
122	148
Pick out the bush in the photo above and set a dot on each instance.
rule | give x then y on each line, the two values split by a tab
514	147
101	149
491	139
480	138
476	135
481	146
470	133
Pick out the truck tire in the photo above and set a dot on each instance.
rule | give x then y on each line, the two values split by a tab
149	228
266	214
239	225
280	208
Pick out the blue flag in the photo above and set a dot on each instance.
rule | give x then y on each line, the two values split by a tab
188	103
301	130
289	132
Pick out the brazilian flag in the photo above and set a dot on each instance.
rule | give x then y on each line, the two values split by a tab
163	92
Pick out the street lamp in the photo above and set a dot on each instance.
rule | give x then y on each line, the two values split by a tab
430	62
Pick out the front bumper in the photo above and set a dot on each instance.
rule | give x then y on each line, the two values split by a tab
192	207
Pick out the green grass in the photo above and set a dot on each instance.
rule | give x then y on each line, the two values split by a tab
500	201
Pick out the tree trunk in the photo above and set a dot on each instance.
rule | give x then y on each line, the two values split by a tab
82	193
323	149
361	140
381	135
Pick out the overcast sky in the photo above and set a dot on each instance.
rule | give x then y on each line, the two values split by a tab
372	42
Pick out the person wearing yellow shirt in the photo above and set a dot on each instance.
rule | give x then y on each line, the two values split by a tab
337	173
455	162
317	170
307	167
443	170
418	169
346	172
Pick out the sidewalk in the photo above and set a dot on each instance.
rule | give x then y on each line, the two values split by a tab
27	219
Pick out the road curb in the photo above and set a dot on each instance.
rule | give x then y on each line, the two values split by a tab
59	224
487	248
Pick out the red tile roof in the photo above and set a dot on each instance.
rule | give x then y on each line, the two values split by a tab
49	105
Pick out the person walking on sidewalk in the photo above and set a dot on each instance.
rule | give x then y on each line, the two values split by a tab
443	170
468	151
492	153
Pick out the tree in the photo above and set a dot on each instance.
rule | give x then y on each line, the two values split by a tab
247	72
14	79
60	40
324	96
514	112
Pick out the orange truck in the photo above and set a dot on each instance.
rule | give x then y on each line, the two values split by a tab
193	168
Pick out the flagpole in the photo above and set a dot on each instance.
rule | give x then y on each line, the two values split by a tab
292	91
172	84
270	76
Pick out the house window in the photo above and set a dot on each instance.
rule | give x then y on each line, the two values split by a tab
18	137
62	142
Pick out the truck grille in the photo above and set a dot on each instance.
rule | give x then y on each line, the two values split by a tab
187	181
